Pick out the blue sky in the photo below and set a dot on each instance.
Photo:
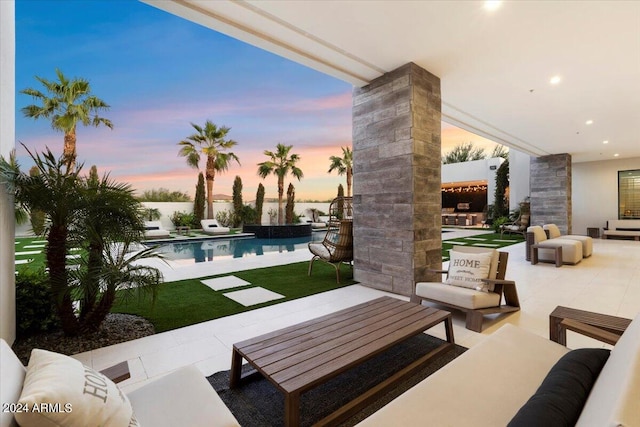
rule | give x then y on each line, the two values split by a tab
158	73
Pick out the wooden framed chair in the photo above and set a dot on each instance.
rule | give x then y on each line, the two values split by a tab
475	303
337	246
519	226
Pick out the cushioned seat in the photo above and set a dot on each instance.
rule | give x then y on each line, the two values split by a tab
154	230
211	226
462	297
587	242
571	249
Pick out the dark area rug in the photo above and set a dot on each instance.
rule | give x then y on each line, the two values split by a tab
257	403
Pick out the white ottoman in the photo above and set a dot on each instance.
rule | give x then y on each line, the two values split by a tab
587	242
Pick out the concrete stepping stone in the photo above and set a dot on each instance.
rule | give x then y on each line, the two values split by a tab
253	296
226	282
28	253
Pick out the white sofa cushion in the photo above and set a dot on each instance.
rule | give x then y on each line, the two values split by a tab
12	377
587	242
468	269
85	397
485	386
456	295
156	404
615	397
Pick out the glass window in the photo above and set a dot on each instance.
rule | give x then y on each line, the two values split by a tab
629	194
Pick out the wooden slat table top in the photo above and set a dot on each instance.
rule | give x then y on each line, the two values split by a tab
604	321
304	355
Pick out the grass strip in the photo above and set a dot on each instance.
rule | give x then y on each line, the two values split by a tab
187	302
489	238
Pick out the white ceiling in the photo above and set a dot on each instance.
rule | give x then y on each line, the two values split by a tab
494	66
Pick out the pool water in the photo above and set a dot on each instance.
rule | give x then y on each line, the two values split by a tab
218	249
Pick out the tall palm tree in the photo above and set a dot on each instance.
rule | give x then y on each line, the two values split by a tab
210	141
344	165
67	103
280	164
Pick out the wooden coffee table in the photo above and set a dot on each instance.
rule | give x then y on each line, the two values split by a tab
303	356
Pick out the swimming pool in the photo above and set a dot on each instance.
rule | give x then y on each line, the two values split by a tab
219	249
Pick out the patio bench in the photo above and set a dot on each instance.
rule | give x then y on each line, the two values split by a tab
623	228
499	380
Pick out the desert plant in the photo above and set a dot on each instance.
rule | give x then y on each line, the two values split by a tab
199	202
291	195
280	163
273	214
182	219
259	203
344	166
224	218
35	311
164	195
463	153
151	214
501	205
211	141
340	196
67	103
94	215
37	217
237	201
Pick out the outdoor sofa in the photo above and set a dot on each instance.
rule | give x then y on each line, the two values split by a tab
501	379
623	228
183	398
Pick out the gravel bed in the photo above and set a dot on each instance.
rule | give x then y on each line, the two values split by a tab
115	329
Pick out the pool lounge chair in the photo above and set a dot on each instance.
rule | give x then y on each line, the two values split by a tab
154	230
211	226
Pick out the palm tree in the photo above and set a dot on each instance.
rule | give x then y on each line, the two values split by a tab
86	212
210	140
463	153
67	103
344	165
280	164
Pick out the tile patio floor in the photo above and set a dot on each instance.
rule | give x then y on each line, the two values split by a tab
607	282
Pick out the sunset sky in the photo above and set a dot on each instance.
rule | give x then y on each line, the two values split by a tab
158	73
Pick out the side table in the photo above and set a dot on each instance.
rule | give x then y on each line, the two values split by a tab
183	229
593	232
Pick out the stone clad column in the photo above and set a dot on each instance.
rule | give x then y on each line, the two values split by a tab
397	198
550	184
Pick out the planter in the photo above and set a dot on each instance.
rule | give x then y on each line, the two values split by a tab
278	231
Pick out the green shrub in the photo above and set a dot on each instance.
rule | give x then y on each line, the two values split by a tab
182	219
225	218
35	311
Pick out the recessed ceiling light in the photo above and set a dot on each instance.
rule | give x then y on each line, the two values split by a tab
492	5
605	142
588	122
555	80
616	155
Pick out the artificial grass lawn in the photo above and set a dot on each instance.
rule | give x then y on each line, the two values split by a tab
187	302
489	239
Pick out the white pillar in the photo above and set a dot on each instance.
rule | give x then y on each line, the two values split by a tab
7	143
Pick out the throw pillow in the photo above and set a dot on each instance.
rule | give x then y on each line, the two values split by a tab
563	393
468	269
60	391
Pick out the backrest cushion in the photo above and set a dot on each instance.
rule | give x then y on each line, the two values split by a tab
12	374
468	269
495	256
615	395
538	233
83	396
553	230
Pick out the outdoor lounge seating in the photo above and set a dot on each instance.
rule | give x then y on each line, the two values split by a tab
622	228
558	250
493	381
553	232
154	230
519	226
477	296
182	398
211	226
337	246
